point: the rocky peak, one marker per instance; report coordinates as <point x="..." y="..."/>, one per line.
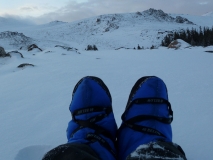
<point x="161" y="16"/>
<point x="154" y="12"/>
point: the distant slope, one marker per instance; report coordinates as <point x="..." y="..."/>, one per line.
<point x="209" y="14"/>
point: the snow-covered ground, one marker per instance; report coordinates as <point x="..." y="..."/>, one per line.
<point x="34" y="100"/>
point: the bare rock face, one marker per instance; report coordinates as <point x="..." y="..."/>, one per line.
<point x="180" y="19"/>
<point x="161" y="16"/>
<point x="3" y="53"/>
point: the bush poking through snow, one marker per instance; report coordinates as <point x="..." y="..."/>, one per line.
<point x="91" y="48"/>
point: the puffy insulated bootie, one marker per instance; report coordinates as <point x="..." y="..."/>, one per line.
<point x="93" y="120"/>
<point x="147" y="116"/>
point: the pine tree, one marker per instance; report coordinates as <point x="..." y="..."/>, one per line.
<point x="176" y="36"/>
<point x="139" y="47"/>
<point x="95" y="48"/>
<point x="152" y="47"/>
<point x="89" y="47"/>
<point x="162" y="43"/>
<point x="167" y="41"/>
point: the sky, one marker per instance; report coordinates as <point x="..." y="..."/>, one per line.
<point x="44" y="11"/>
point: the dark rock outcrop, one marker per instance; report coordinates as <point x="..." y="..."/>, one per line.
<point x="16" y="52"/>
<point x="161" y="16"/>
<point x="180" y="19"/>
<point x="25" y="64"/>
<point x="3" y="53"/>
<point x="32" y="47"/>
<point x="209" y="51"/>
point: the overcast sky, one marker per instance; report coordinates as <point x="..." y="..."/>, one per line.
<point x="43" y="11"/>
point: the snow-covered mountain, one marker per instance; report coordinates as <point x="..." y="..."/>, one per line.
<point x="14" y="39"/>
<point x="209" y="14"/>
<point x="113" y="31"/>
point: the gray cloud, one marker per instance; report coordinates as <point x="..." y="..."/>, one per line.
<point x="33" y="8"/>
<point x="75" y="11"/>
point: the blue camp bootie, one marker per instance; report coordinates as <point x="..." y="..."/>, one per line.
<point x="93" y="120"/>
<point x="147" y="116"/>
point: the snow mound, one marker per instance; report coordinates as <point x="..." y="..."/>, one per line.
<point x="32" y="152"/>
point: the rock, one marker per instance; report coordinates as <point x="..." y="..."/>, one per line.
<point x="178" y="43"/>
<point x="98" y="20"/>
<point x="161" y="16"/>
<point x="138" y="13"/>
<point x="209" y="51"/>
<point x="25" y="64"/>
<point x="180" y="19"/>
<point x="16" y="52"/>
<point x="32" y="47"/>
<point x="3" y="53"/>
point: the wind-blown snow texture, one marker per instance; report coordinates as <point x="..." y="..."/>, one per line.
<point x="34" y="100"/>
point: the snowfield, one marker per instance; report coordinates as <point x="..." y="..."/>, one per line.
<point x="34" y="100"/>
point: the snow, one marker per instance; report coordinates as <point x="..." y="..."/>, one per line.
<point x="34" y="100"/>
<point x="209" y="14"/>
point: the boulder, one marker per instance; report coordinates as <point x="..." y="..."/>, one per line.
<point x="178" y="43"/>
<point x="25" y="64"/>
<point x="3" y="53"/>
<point x="32" y="47"/>
<point x="12" y="53"/>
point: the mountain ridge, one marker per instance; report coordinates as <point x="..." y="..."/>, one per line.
<point x="111" y="31"/>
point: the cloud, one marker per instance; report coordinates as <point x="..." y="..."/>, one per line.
<point x="203" y="3"/>
<point x="76" y="10"/>
<point x="29" y="8"/>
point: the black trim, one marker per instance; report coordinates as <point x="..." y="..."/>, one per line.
<point x="150" y="101"/>
<point x="94" y="137"/>
<point x="90" y="110"/>
<point x="144" y="129"/>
